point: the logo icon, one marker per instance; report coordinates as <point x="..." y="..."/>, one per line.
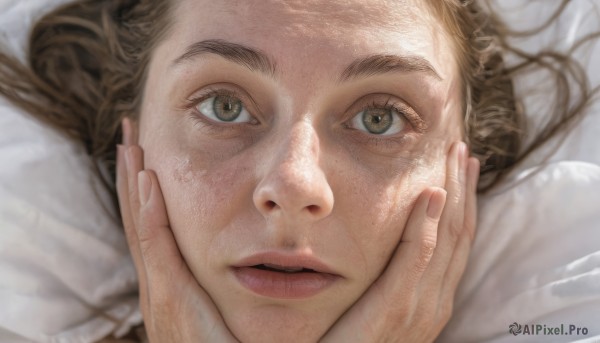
<point x="515" y="328"/>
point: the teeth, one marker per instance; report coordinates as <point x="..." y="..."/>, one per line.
<point x="282" y="268"/>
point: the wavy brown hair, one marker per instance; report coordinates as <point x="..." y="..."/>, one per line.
<point x="494" y="118"/>
<point x="87" y="63"/>
<point x="86" y="69"/>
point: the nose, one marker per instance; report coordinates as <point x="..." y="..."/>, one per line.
<point x="293" y="184"/>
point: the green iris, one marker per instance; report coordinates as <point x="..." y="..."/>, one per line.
<point x="227" y="108"/>
<point x="377" y="120"/>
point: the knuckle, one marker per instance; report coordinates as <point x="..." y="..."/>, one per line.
<point x="455" y="197"/>
<point x="405" y="310"/>
<point x="426" y="249"/>
<point x="455" y="181"/>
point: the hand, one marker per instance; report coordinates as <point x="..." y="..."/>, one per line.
<point x="174" y="306"/>
<point x="412" y="300"/>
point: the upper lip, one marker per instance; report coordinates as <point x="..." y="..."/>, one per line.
<point x="285" y="261"/>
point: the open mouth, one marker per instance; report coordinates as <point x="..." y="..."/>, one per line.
<point x="281" y="275"/>
<point x="282" y="269"/>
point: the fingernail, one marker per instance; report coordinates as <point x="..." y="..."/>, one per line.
<point x="436" y="204"/>
<point x="126" y="131"/>
<point x="144" y="187"/>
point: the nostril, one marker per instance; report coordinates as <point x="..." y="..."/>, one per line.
<point x="313" y="209"/>
<point x="270" y="205"/>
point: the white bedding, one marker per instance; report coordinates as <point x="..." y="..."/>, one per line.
<point x="536" y="259"/>
<point x="61" y="255"/>
<point x="63" y="259"/>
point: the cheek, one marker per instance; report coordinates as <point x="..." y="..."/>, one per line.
<point x="201" y="199"/>
<point x="196" y="195"/>
<point x="377" y="209"/>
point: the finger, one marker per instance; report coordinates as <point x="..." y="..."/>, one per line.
<point x="460" y="257"/>
<point x="124" y="205"/>
<point x="420" y="236"/>
<point x="473" y="169"/>
<point x="452" y="221"/>
<point x="157" y="244"/>
<point x="128" y="214"/>
<point x="396" y="288"/>
<point x="134" y="160"/>
<point x="168" y="276"/>
<point x="163" y="261"/>
<point x="458" y="261"/>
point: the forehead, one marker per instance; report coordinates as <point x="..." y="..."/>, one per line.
<point x="305" y="28"/>
<point x="306" y="16"/>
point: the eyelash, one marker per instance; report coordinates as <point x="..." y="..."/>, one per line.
<point x="213" y="126"/>
<point x="412" y="119"/>
<point x="388" y="105"/>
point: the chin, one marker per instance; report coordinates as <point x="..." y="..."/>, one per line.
<point x="279" y="323"/>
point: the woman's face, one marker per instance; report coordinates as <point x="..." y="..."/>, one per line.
<point x="296" y="134"/>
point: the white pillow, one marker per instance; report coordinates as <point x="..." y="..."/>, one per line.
<point x="579" y="18"/>
<point x="64" y="263"/>
<point x="535" y="259"/>
<point x="63" y="257"/>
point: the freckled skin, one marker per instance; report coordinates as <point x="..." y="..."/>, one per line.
<point x="183" y="170"/>
<point x="215" y="188"/>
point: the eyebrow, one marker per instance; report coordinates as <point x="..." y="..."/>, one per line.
<point x="381" y="64"/>
<point x="252" y="59"/>
<point x="257" y="60"/>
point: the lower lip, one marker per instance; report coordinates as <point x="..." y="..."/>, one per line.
<point x="283" y="285"/>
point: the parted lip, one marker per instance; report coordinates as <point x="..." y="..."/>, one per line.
<point x="285" y="260"/>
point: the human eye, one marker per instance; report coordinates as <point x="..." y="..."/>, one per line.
<point x="380" y="119"/>
<point x="224" y="108"/>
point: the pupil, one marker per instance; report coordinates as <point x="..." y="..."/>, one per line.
<point x="377" y="120"/>
<point x="227" y="108"/>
